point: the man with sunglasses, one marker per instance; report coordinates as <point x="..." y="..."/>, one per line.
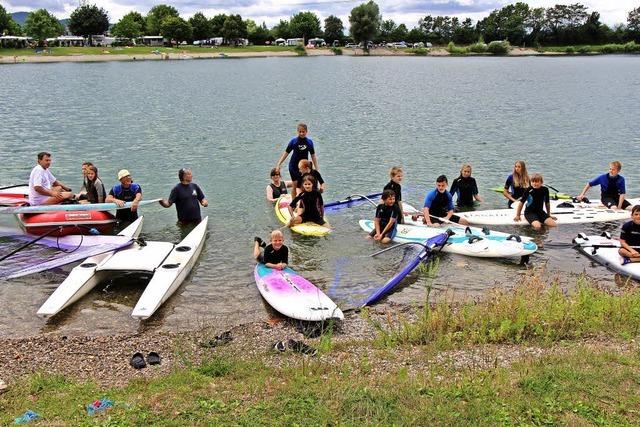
<point x="188" y="197"/>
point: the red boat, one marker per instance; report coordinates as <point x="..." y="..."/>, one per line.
<point x="68" y="222"/>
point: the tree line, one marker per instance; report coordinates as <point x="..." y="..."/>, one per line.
<point x="517" y="23"/>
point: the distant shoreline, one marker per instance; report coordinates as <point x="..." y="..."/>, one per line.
<point x="190" y="54"/>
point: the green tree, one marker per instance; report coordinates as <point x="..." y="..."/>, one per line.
<point x="400" y="33"/>
<point x="7" y="25"/>
<point x="365" y="22"/>
<point x="508" y="23"/>
<point x="202" y="28"/>
<point x="217" y="22"/>
<point x="234" y="28"/>
<point x="333" y="29"/>
<point x="176" y="28"/>
<point x="305" y="25"/>
<point x="258" y="34"/>
<point x="633" y="24"/>
<point x="387" y="29"/>
<point x="156" y="15"/>
<point x="415" y="35"/>
<point x="281" y="30"/>
<point x="465" y="33"/>
<point x="41" y="24"/>
<point x="88" y="20"/>
<point x="131" y="26"/>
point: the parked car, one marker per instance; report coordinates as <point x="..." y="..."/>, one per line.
<point x="352" y="45"/>
<point x="400" y="45"/>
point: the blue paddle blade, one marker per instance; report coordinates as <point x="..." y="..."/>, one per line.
<point x="424" y="255"/>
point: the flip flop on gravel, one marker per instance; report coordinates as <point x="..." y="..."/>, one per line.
<point x="280" y="346"/>
<point x="153" y="358"/>
<point x="3" y="386"/>
<point x="302" y="348"/>
<point x="137" y="361"/>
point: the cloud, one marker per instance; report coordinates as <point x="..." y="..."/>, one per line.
<point x="406" y="12"/>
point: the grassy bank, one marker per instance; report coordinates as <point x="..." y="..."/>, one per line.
<point x="139" y="50"/>
<point x="534" y="356"/>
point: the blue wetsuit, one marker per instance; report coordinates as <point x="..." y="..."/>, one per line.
<point x="611" y="188"/>
<point x="439" y="205"/>
<point x="300" y="148"/>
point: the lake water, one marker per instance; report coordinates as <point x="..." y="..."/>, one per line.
<point x="230" y="119"/>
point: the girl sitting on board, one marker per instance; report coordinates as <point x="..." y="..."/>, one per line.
<point x="516" y="183"/>
<point x="630" y="238"/>
<point x="536" y="198"/>
<point x="309" y="206"/>
<point x="278" y="187"/>
<point x="396" y="176"/>
<point x="466" y="188"/>
<point x="95" y="188"/>
<point x="386" y="222"/>
<point x="276" y="254"/>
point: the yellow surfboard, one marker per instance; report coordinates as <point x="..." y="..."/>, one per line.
<point x="306" y="228"/>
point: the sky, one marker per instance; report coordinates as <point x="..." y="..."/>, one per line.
<point x="406" y="12"/>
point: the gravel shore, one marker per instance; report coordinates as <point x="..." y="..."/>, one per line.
<point x="105" y="359"/>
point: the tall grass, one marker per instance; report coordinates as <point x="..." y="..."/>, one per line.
<point x="535" y="311"/>
<point x="456" y="50"/>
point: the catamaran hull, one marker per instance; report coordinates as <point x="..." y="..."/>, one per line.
<point x="83" y="278"/>
<point x="172" y="272"/>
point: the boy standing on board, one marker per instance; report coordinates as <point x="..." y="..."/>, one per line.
<point x="612" y="187"/>
<point x="301" y="146"/>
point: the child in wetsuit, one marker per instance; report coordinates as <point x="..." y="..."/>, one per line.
<point x="630" y="238"/>
<point x="309" y="204"/>
<point x="516" y="183"/>
<point x="466" y="188"/>
<point x="276" y="254"/>
<point x="438" y="205"/>
<point x="302" y="147"/>
<point x="612" y="187"/>
<point x="304" y="166"/>
<point x="536" y="198"/>
<point x="387" y="214"/>
<point x="396" y="176"/>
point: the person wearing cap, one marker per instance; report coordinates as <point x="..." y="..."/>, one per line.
<point x="126" y="191"/>
<point x="188" y="197"/>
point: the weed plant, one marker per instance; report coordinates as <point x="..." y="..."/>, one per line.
<point x="336" y="51"/>
<point x="420" y="51"/>
<point x="535" y="311"/>
<point x="479" y="47"/>
<point x="498" y="47"/>
<point x="456" y="50"/>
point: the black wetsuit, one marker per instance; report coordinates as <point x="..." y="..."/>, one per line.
<point x="278" y="191"/>
<point x="385" y="213"/>
<point x="313" y="206"/>
<point x="631" y="233"/>
<point x="272" y="256"/>
<point x="397" y="188"/>
<point x="466" y="189"/>
<point x="536" y="199"/>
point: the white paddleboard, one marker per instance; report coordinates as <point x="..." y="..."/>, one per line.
<point x="74" y="207"/>
<point x="468" y="241"/>
<point x="604" y="251"/>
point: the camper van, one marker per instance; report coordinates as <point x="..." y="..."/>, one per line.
<point x="313" y="43"/>
<point x="295" y="42"/>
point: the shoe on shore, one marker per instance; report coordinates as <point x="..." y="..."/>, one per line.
<point x="137" y="361"/>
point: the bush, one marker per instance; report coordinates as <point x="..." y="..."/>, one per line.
<point x="455" y="50"/>
<point x="612" y="48"/>
<point x="570" y="50"/>
<point x="421" y="51"/>
<point x="497" y="47"/>
<point x="300" y="50"/>
<point x="632" y="47"/>
<point x="336" y="51"/>
<point x="584" y="49"/>
<point x="478" y="47"/>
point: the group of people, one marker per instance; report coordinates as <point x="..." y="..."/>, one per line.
<point x="307" y="186"/>
<point x="45" y="189"/>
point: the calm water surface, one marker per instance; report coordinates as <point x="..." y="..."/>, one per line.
<point x="229" y="120"/>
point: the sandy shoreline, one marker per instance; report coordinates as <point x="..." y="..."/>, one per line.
<point x="439" y="52"/>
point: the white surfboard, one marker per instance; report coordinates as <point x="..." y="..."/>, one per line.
<point x="604" y="250"/>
